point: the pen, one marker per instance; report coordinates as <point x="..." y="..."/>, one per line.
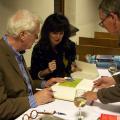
<point x="60" y="113"/>
<point x="92" y="102"/>
<point x="93" y="88"/>
<point x="38" y="89"/>
<point x="51" y="113"/>
<point x="68" y="78"/>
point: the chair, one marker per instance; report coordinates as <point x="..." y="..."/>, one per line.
<point x="105" y="35"/>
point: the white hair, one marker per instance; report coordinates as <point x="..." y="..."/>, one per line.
<point x="23" y="20"/>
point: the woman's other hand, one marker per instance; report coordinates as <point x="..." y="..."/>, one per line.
<point x="53" y="81"/>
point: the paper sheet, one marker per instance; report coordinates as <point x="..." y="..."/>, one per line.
<point x="88" y="71"/>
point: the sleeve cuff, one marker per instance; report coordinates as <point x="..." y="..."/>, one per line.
<point x="43" y="84"/>
<point x="117" y="78"/>
<point x="32" y="101"/>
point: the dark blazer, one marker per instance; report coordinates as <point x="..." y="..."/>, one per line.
<point x="43" y="54"/>
<point x="13" y="89"/>
<point x="111" y="94"/>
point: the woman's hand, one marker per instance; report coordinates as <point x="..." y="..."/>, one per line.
<point x="51" y="68"/>
<point x="53" y="81"/>
<point x="52" y="65"/>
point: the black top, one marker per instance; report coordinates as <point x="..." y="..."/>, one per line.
<point x="42" y="55"/>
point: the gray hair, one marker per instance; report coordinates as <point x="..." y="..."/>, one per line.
<point x="108" y="6"/>
<point x="22" y="20"/>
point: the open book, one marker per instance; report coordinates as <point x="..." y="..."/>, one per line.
<point x="87" y="70"/>
<point x="66" y="90"/>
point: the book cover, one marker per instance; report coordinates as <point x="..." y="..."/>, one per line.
<point x="109" y="117"/>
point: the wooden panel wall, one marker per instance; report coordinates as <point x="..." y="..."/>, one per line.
<point x="97" y="46"/>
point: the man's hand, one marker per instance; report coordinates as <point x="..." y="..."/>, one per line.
<point x="52" y="65"/>
<point x="90" y="96"/>
<point x="53" y="81"/>
<point x="44" y="96"/>
<point x="104" y="82"/>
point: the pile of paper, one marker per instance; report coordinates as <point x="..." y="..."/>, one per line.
<point x="87" y="71"/>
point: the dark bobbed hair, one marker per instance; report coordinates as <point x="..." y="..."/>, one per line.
<point x="55" y="23"/>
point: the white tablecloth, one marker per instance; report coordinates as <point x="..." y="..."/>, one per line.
<point x="90" y="112"/>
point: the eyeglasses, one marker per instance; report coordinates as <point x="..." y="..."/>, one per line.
<point x="34" y="34"/>
<point x="34" y="114"/>
<point x="102" y="22"/>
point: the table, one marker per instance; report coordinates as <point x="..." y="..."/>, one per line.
<point x="90" y="112"/>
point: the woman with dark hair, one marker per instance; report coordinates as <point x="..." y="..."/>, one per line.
<point x="54" y="54"/>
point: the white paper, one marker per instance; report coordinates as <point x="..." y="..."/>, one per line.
<point x="88" y="71"/>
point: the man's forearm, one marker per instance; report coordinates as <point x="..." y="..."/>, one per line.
<point x="109" y="95"/>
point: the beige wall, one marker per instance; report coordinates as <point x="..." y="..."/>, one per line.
<point x="84" y="15"/>
<point x="70" y="10"/>
<point x="43" y="8"/>
<point x="81" y="13"/>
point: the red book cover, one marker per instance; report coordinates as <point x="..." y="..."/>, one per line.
<point x="109" y="117"/>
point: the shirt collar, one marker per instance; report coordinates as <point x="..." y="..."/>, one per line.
<point x="17" y="54"/>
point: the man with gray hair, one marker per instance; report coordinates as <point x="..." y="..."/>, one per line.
<point x="17" y="90"/>
<point x="109" y="12"/>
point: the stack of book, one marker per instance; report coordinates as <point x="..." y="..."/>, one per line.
<point x="104" y="58"/>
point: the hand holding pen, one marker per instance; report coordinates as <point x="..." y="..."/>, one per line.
<point x="92" y="102"/>
<point x="90" y="95"/>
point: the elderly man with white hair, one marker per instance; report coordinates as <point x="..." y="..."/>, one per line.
<point x="17" y="90"/>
